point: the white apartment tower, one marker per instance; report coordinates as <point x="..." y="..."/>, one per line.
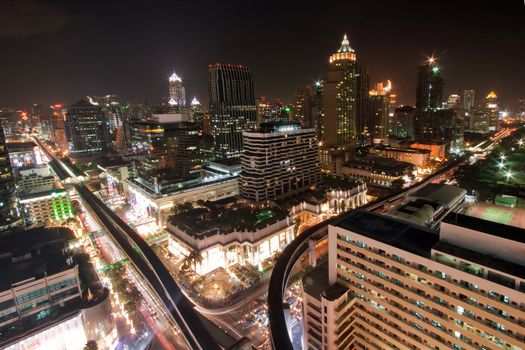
<point x="400" y="286"/>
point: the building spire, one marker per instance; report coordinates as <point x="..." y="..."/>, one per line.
<point x="345" y="45"/>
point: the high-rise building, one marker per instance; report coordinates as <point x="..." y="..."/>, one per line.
<point x="468" y="100"/>
<point x="454" y="101"/>
<point x="492" y="110"/>
<point x="278" y="160"/>
<point x="429" y="98"/>
<point x="177" y="92"/>
<point x="395" y="285"/>
<point x="403" y="124"/>
<point x="232" y="107"/>
<point x="317" y="107"/>
<point x="339" y="108"/>
<point x="169" y="144"/>
<point x="304" y="96"/>
<point x="362" y="105"/>
<point x="8" y="212"/>
<point x="379" y="113"/>
<point x="86" y="129"/>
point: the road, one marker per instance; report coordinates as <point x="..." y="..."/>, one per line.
<point x="145" y="261"/>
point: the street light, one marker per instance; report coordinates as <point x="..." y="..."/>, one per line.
<point x="520" y="142"/>
<point x="502" y="157"/>
<point x="501" y="165"/>
<point x="509" y="175"/>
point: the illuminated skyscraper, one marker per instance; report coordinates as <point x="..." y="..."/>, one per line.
<point x="403" y="124"/>
<point x="303" y="106"/>
<point x="232" y="107"/>
<point x="339" y="107"/>
<point x="492" y="110"/>
<point x="379" y="120"/>
<point x="468" y="100"/>
<point x="86" y="129"/>
<point x="8" y="214"/>
<point x="429" y="98"/>
<point x="177" y="92"/>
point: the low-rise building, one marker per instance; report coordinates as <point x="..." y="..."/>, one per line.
<point x="44" y="298"/>
<point x="216" y="181"/>
<point x="416" y="156"/>
<point x="222" y="237"/>
<point x="34" y="179"/>
<point x="437" y="149"/>
<point x="45" y="207"/>
<point x="24" y="154"/>
<point x="378" y="171"/>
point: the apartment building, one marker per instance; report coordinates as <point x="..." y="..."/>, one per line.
<point x="411" y="288"/>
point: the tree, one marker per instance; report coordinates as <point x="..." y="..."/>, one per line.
<point x="193" y="258"/>
<point x="91" y="345"/>
<point x="398" y="184"/>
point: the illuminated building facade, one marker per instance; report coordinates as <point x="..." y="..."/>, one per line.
<point x="339" y="108"/>
<point x="418" y="157"/>
<point x="86" y="129"/>
<point x="492" y="110"/>
<point x="377" y="171"/>
<point x="278" y="160"/>
<point x="43" y="301"/>
<point x="8" y="213"/>
<point x="46" y="207"/>
<point x="227" y="248"/>
<point x="34" y="179"/>
<point x="403" y="123"/>
<point x="24" y="154"/>
<point x="429" y="98"/>
<point x="177" y="92"/>
<point x="169" y="145"/>
<point x="232" y="107"/>
<point x="411" y="288"/>
<point x="303" y="108"/>
<point x="379" y="125"/>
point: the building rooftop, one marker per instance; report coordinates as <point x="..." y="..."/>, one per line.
<point x="482" y="259"/>
<point x="380" y="164"/>
<point x="405" y="150"/>
<point x="33" y="253"/>
<point x="489" y="227"/>
<point x="400" y="234"/>
<point x="46" y="192"/>
<point x="112" y="162"/>
<point x="315" y="281"/>
<point x="20" y="146"/>
<point x="445" y="195"/>
<point x="419" y="212"/>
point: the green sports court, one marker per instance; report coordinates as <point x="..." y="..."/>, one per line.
<point x="501" y="216"/>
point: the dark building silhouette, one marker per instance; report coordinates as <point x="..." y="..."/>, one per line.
<point x="232" y="107"/>
<point x="429" y="98"/>
<point x="8" y="213"/>
<point x="86" y="129"/>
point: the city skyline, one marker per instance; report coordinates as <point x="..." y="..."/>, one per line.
<point x="131" y="51"/>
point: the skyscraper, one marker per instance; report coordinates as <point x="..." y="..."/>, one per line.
<point x="339" y="107"/>
<point x="429" y="98"/>
<point x="86" y="129"/>
<point x="279" y="159"/>
<point x="177" y="92"/>
<point x="468" y="100"/>
<point x="379" y="113"/>
<point x="232" y="107"/>
<point x="403" y="124"/>
<point x="303" y="106"/>
<point x="8" y="212"/>
<point x="362" y="104"/>
<point x="492" y="110"/>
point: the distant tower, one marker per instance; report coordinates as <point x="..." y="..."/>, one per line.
<point x="379" y="101"/>
<point x="492" y="110"/>
<point x="339" y="125"/>
<point x="232" y="107"/>
<point x="177" y="91"/>
<point x="429" y="98"/>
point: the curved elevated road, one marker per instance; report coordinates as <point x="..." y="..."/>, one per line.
<point x="291" y="254"/>
<point x="148" y="264"/>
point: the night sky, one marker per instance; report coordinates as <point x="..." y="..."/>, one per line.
<point x="58" y="51"/>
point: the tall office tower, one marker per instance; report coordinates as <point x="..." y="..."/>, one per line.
<point x="394" y="285"/>
<point x="492" y="110"/>
<point x="169" y="144"/>
<point x="403" y="123"/>
<point x="279" y="159"/>
<point x="232" y="107"/>
<point x="362" y="105"/>
<point x="86" y="129"/>
<point x="304" y="96"/>
<point x="196" y="112"/>
<point x="177" y="92"/>
<point x="468" y="100"/>
<point x="339" y="104"/>
<point x="317" y="108"/>
<point x="8" y="213"/>
<point x="429" y="98"/>
<point x="379" y="113"/>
